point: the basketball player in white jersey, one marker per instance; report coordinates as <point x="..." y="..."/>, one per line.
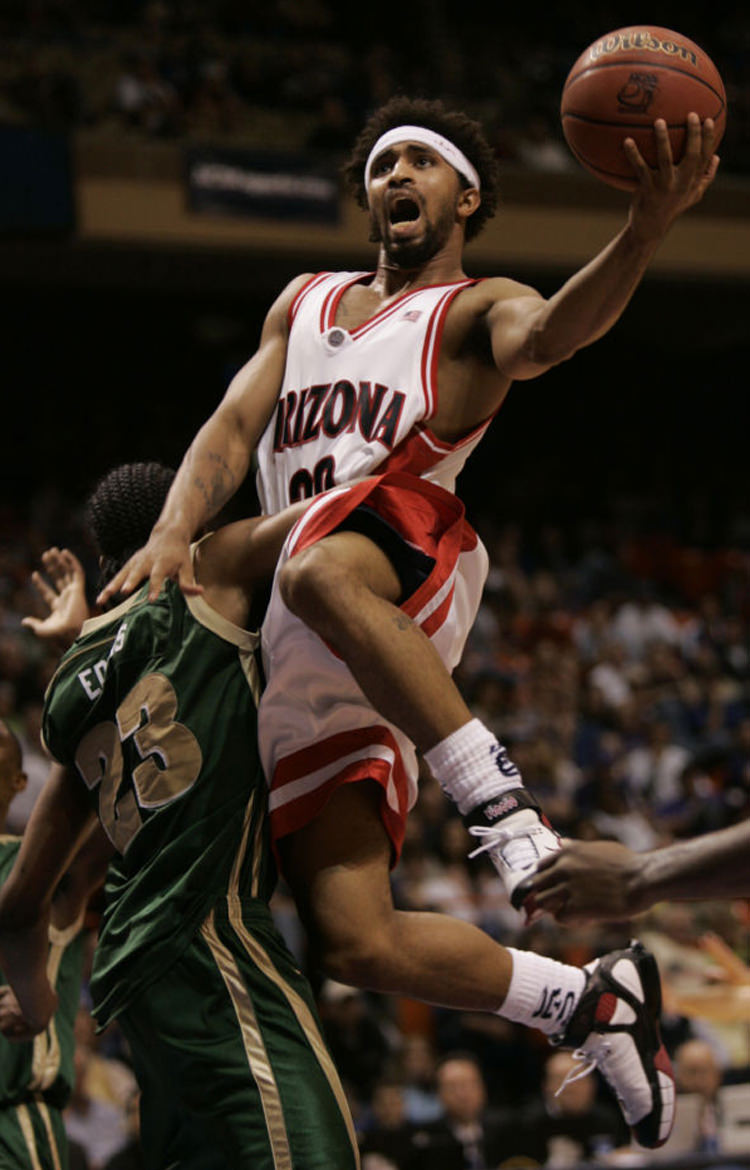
<point x="402" y="369"/>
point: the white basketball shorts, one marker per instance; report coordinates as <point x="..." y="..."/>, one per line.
<point x="316" y="728"/>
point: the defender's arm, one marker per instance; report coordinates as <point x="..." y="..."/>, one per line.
<point x="60" y="820"/>
<point x="603" y="880"/>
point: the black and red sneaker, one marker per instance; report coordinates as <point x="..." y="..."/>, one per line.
<point x="615" y="1028"/>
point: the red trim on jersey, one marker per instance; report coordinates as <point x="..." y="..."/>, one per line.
<point x="421" y="449"/>
<point x="303" y="809"/>
<point x="306" y="288"/>
<point x="431" y="351"/>
<point x="415" y="454"/>
<point x="333" y="299"/>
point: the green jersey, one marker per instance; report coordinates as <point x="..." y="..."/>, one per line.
<point x="43" y="1068"/>
<point x="155" y="707"/>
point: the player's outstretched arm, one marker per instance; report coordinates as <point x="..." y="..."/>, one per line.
<point x="602" y="880"/>
<point x="60" y="820"/>
<point x="215" y="465"/>
<point x="529" y="334"/>
<point x="62" y="589"/>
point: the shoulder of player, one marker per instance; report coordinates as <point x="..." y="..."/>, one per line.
<point x="479" y="298"/>
<point x="474" y="305"/>
<point x="278" y="314"/>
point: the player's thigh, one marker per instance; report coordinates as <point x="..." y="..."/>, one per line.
<point x="231" y="1062"/>
<point x="338" y="865"/>
<point x="32" y="1137"/>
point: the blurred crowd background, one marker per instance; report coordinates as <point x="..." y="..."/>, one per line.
<point x="612" y="649"/>
<point x="303" y="73"/>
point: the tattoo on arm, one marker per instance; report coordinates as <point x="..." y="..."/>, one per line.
<point x="221" y="485"/>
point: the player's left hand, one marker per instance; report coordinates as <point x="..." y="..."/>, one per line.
<point x="13" y="1024"/>
<point x="586" y="881"/>
<point x="670" y="188"/>
<point x="62" y="590"/>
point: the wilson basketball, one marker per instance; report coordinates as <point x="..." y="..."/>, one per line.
<point x="626" y="80"/>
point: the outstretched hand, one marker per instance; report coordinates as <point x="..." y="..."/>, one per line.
<point x="670" y="188"/>
<point x="165" y="556"/>
<point x="587" y="881"/>
<point x="63" y="592"/>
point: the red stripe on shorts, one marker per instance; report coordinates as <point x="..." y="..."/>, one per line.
<point x="302" y="809"/>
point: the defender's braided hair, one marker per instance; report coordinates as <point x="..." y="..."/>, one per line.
<point x="122" y="510"/>
<point x="462" y="130"/>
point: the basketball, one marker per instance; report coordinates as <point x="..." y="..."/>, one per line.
<point x="626" y="80"/>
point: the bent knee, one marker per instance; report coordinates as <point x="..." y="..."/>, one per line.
<point x="307" y="585"/>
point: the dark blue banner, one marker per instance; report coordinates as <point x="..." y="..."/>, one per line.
<point x="260" y="183"/>
<point x="36" y="192"/>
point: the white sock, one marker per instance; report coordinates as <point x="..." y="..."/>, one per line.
<point x="471" y="765"/>
<point x="543" y="993"/>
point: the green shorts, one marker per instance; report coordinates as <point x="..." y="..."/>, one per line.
<point x="229" y="1055"/>
<point x="32" y="1137"/>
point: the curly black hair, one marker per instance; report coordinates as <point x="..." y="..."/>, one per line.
<point x="123" y="508"/>
<point x="463" y="131"/>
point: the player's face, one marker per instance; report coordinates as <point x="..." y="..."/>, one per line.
<point x="413" y="197"/>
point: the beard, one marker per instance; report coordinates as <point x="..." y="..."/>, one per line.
<point x="414" y="253"/>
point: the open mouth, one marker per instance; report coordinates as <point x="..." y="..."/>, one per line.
<point x="404" y="209"/>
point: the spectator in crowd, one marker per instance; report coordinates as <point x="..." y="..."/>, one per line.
<point x="469" y="1135"/>
<point x="566" y="1124"/>
<point x="389" y="1132"/>
<point x="697" y="1070"/>
<point x="107" y="1078"/>
<point x="144" y="99"/>
<point x="130" y="1157"/>
<point x="98" y="1126"/>
<point x="418" y="1063"/>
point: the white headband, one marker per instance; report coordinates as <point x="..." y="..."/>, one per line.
<point x="442" y="146"/>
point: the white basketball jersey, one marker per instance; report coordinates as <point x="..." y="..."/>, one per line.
<point x="357" y="403"/>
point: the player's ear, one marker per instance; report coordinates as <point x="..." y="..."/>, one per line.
<point x="468" y="201"/>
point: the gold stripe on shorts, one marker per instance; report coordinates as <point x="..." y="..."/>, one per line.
<point x="27" y="1129"/>
<point x="47" y="1122"/>
<point x="239" y="857"/>
<point x="46" y="1055"/>
<point x="305" y="1017"/>
<point x="255" y="1049"/>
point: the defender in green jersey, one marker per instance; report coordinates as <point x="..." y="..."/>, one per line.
<point x="151" y="718"/>
<point x="36" y="1076"/>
